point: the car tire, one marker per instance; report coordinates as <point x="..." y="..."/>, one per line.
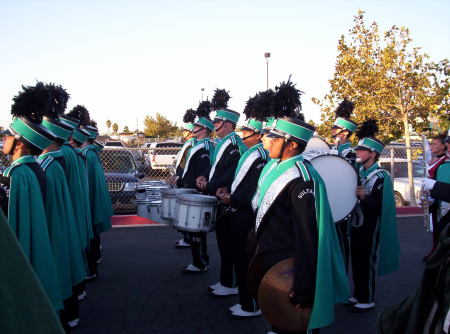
<point x="399" y="200"/>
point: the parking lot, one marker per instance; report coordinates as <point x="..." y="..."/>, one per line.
<point x="141" y="290"/>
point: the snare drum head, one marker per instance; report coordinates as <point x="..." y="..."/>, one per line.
<point x="317" y="144"/>
<point x="340" y="179"/>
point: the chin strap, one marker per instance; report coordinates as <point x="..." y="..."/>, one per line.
<point x="220" y="127"/>
<point x="253" y="134"/>
<point x="337" y="134"/>
<point x="283" y="148"/>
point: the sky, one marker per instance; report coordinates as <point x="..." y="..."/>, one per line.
<point x="124" y="60"/>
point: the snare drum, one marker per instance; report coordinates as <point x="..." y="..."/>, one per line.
<point x="169" y="201"/>
<point x="340" y="179"/>
<point x="195" y="213"/>
<point x="149" y="209"/>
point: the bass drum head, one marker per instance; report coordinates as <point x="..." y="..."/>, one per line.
<point x="317" y="144"/>
<point x="341" y="180"/>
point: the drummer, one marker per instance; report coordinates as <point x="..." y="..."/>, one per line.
<point x="376" y="236"/>
<point x="180" y="162"/>
<point x="287" y="223"/>
<point x="242" y="219"/>
<point x="197" y="161"/>
<point x="341" y="131"/>
<point x="218" y="180"/>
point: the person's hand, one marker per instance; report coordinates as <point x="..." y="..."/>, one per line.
<point x="173" y="180"/>
<point x="225" y="198"/>
<point x="360" y="192"/>
<point x="221" y="191"/>
<point x="202" y="183"/>
<point x="428" y="184"/>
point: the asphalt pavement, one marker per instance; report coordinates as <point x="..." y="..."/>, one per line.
<point x="141" y="290"/>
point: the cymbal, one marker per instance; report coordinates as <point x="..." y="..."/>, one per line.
<point x="273" y="298"/>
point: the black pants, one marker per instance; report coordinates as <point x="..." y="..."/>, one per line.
<point x="342" y="231"/>
<point x="241" y="223"/>
<point x="279" y="331"/>
<point x="70" y="311"/>
<point x="92" y="255"/>
<point x="224" y="243"/>
<point x="365" y="240"/>
<point x="186" y="237"/>
<point x="199" y="249"/>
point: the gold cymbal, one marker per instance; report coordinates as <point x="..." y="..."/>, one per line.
<point x="273" y="298"/>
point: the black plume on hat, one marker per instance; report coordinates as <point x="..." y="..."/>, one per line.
<point x="220" y="99"/>
<point x="59" y="98"/>
<point x="93" y="123"/>
<point x="265" y="105"/>
<point x="287" y="101"/>
<point x="33" y="102"/>
<point x="189" y="116"/>
<point x="249" y="109"/>
<point x="368" y="129"/>
<point x="204" y="109"/>
<point x="345" y="109"/>
<point x="80" y="113"/>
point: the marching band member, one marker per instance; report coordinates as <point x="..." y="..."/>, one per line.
<point x="59" y="210"/>
<point x="197" y="161"/>
<point x="99" y="198"/>
<point x="77" y="182"/>
<point x="218" y="180"/>
<point x="293" y="217"/>
<point x="25" y="138"/>
<point x="242" y="218"/>
<point x="376" y="236"/>
<point x="180" y="161"/>
<point x="341" y="131"/>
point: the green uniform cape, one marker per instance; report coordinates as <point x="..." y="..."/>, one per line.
<point x="99" y="198"/>
<point x="26" y="216"/>
<point x="76" y="179"/>
<point x="24" y="306"/>
<point x="331" y="279"/>
<point x="62" y="226"/>
<point x="389" y="248"/>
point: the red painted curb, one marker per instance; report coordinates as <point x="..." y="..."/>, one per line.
<point x="409" y="210"/>
<point x="131" y="220"/>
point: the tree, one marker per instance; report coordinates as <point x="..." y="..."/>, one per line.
<point x="159" y="126"/>
<point x="388" y="80"/>
<point x="108" y="125"/>
<point x="126" y="129"/>
<point x="115" y="128"/>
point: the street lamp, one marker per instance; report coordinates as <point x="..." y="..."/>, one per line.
<point x="203" y="89"/>
<point x="267" y="56"/>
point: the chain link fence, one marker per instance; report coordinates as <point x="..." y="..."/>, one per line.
<point x="127" y="168"/>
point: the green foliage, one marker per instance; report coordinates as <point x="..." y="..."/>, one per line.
<point x="160" y="126"/>
<point x="108" y="124"/>
<point x="126" y="129"/>
<point x="115" y="128"/>
<point x="388" y="80"/>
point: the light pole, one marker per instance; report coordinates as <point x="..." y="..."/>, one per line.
<point x="267" y="56"/>
<point x="203" y="89"/>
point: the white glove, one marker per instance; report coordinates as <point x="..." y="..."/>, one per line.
<point x="428" y="184"/>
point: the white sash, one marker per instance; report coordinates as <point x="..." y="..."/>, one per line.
<point x="218" y="157"/>
<point x="192" y="152"/>
<point x="244" y="169"/>
<point x="273" y="192"/>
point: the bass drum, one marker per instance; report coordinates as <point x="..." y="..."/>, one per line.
<point x="341" y="180"/>
<point x="317" y="143"/>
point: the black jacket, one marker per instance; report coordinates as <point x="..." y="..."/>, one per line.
<point x="198" y="163"/>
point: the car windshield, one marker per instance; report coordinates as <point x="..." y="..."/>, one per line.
<point x="114" y="143"/>
<point x="401" y="169"/>
<point x="117" y="161"/>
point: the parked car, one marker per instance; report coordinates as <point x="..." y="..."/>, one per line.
<point x="122" y="177"/>
<point x="114" y="143"/>
<point x="162" y="155"/>
<point x="399" y="173"/>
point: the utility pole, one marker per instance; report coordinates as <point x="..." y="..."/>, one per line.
<point x="267" y="56"/>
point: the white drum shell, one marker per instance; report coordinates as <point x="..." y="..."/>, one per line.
<point x="340" y="180"/>
<point x="149" y="210"/>
<point x="169" y="201"/>
<point x="195" y="213"/>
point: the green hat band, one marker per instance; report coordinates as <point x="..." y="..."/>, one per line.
<point x="227" y="115"/>
<point x="254" y="124"/>
<point x="189" y="126"/>
<point x="269" y="122"/>
<point x="371" y="144"/>
<point x="343" y="123"/>
<point x="68" y="122"/>
<point x="78" y="136"/>
<point x="92" y="133"/>
<point x="30" y="134"/>
<point x="206" y="123"/>
<point x="292" y="129"/>
<point x="57" y="130"/>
